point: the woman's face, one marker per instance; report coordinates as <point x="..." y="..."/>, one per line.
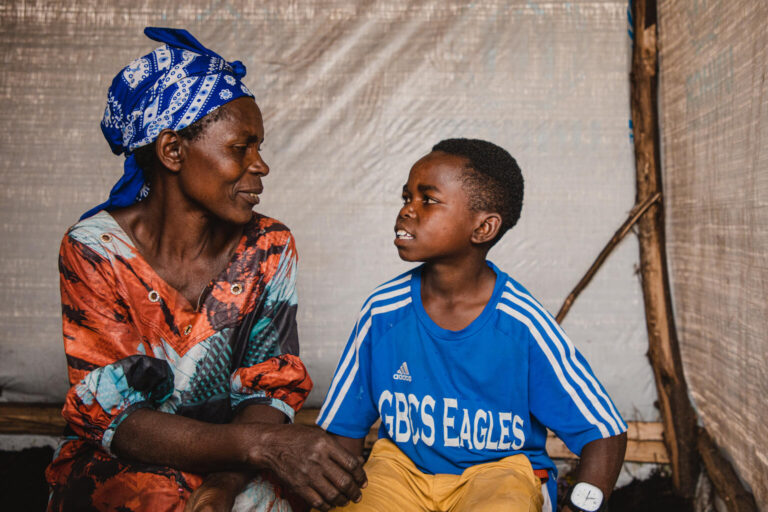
<point x="222" y="169"/>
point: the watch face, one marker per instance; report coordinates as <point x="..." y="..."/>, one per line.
<point x="586" y="496"/>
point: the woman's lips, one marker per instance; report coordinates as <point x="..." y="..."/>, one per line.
<point x="251" y="196"/>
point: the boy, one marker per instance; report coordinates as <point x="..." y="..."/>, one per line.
<point x="463" y="366"/>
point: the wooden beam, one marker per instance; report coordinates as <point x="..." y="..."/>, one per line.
<point x="633" y="217"/>
<point x="35" y="419"/>
<point x="677" y="413"/>
<point x="724" y="478"/>
<point x="644" y="444"/>
<point x="645" y="438"/>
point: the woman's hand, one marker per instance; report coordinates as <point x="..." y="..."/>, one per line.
<point x="311" y="463"/>
<point x="217" y="494"/>
<point x="306" y="459"/>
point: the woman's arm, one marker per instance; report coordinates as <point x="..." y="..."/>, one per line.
<point x="306" y="459"/>
<point x="600" y="464"/>
<point x="219" y="490"/>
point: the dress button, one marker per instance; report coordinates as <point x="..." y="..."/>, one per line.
<point x="187" y="330"/>
<point x="154" y="296"/>
<point x="237" y="289"/>
<point x="106" y="237"/>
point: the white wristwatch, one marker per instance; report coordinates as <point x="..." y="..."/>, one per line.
<point x="585" y="497"/>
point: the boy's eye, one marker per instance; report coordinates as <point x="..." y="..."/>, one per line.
<point x="406" y="199"/>
<point x="429" y="200"/>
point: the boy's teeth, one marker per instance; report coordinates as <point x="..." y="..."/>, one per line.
<point x="401" y="233"/>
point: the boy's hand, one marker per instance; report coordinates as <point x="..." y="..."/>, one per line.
<point x="311" y="463"/>
<point x="217" y="494"/>
<point x="600" y="464"/>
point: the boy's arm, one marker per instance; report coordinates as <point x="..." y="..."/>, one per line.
<point x="600" y="464"/>
<point x="352" y="445"/>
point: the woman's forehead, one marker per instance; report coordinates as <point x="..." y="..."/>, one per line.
<point x="242" y="116"/>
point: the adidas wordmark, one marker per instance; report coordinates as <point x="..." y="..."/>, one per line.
<point x="402" y="373"/>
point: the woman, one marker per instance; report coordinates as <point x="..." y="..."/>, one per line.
<point x="179" y="312"/>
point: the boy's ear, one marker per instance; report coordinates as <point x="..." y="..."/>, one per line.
<point x="169" y="149"/>
<point x="487" y="229"/>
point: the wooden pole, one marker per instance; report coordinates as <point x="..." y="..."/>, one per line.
<point x="634" y="216"/>
<point x="723" y="476"/>
<point x="678" y="416"/>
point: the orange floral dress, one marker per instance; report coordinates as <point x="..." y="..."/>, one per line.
<point x="132" y="341"/>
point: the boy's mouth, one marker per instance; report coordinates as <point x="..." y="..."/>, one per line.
<point x="402" y="234"/>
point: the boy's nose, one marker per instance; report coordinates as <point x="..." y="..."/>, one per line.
<point x="406" y="211"/>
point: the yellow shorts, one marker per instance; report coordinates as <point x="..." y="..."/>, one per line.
<point x="394" y="483"/>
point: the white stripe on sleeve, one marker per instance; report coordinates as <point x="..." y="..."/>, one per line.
<point x="555" y="366"/>
<point x="346" y="357"/>
<point x="359" y="338"/>
<point x="613" y="416"/>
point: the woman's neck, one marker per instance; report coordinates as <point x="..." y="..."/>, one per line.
<point x="169" y="230"/>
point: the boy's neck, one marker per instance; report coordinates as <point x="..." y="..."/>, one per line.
<point x="447" y="279"/>
<point x="455" y="293"/>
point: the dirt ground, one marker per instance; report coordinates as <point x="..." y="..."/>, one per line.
<point x="23" y="487"/>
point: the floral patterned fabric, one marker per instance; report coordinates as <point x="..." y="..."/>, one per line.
<point x="133" y="341"/>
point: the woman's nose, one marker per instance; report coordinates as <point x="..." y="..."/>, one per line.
<point x="259" y="166"/>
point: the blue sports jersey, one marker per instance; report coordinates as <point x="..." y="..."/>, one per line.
<point x="453" y="399"/>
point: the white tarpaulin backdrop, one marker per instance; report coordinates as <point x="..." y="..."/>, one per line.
<point x="353" y="93"/>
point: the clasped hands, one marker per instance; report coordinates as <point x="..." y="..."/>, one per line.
<point x="306" y="460"/>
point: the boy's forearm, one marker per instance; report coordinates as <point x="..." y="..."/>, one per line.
<point x="352" y="445"/>
<point x="601" y="462"/>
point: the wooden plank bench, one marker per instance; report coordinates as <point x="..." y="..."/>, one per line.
<point x="645" y="441"/>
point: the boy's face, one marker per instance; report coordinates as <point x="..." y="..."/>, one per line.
<point x="435" y="222"/>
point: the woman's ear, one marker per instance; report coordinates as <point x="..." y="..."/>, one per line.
<point x="487" y="229"/>
<point x="168" y="148"/>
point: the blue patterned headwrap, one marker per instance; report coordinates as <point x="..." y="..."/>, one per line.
<point x="172" y="87"/>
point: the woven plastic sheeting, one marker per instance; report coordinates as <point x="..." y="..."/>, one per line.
<point x="353" y="93"/>
<point x="714" y="104"/>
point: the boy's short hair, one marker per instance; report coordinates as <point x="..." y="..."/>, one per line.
<point x="493" y="181"/>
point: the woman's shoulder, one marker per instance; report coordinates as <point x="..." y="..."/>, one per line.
<point x="93" y="226"/>
<point x="267" y="231"/>
<point x="265" y="224"/>
<point x="101" y="234"/>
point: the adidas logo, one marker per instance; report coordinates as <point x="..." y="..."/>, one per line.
<point x="402" y="373"/>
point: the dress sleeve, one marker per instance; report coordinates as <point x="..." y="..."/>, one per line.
<point x="349" y="408"/>
<point x="564" y="393"/>
<point x="270" y="371"/>
<point x="109" y="374"/>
